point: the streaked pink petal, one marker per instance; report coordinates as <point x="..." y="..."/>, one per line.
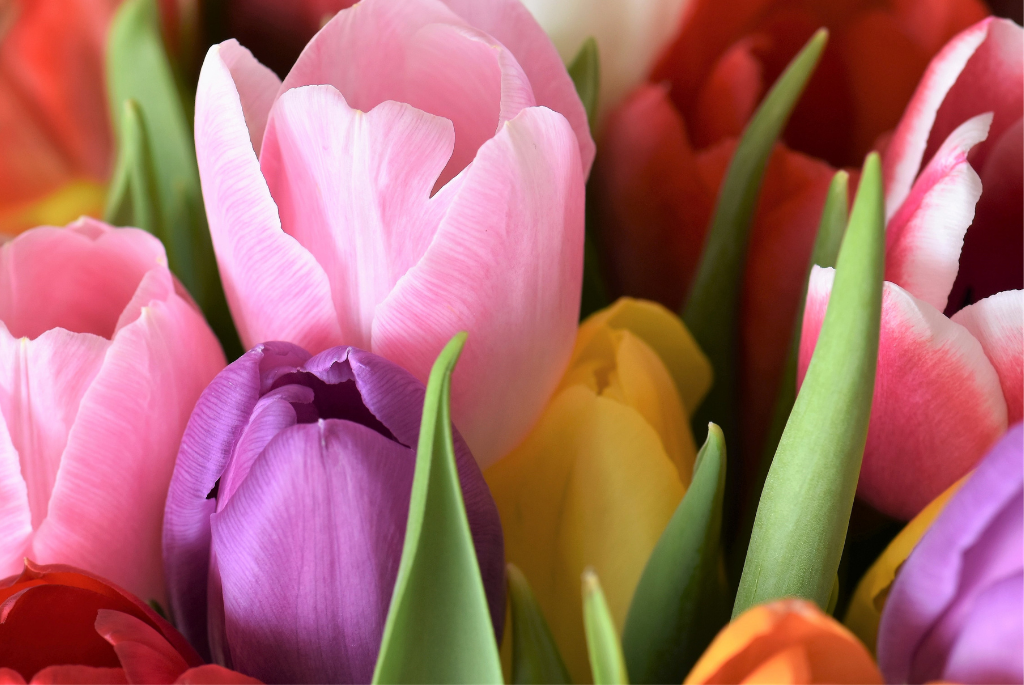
<point x="15" y="514"/>
<point x="512" y="24"/>
<point x="423" y="54"/>
<point x="145" y="655"/>
<point x="506" y="266"/>
<point x="124" y="441"/>
<point x="79" y="278"/>
<point x="257" y="88"/>
<point x="937" y="405"/>
<point x="274" y="287"/>
<point x="998" y="324"/>
<point x="905" y="151"/>
<point x="353" y="189"/>
<point x="924" y="237"/>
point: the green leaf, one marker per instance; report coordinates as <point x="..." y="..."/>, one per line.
<point x="438" y="628"/>
<point x="535" y="657"/>
<point x="826" y="247"/>
<point x="804" y="513"/>
<point x="585" y="71"/>
<point x="606" y="661"/>
<point x="711" y="311"/>
<point x="680" y="602"/>
<point x="165" y="196"/>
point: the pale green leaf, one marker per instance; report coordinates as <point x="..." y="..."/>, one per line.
<point x="535" y="656"/>
<point x="607" y="664"/>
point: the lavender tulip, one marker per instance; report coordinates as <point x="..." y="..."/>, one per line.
<point x="286" y="513"/>
<point x="955" y="609"/>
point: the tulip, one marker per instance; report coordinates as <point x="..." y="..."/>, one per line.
<point x="63" y="625"/>
<point x="102" y="357"/>
<point x="956" y="609"/>
<point x="947" y="387"/>
<point x="369" y="201"/>
<point x="630" y="36"/>
<point x="785" y="641"/>
<point x="599" y="477"/>
<point x="54" y="127"/>
<point x="286" y="514"/>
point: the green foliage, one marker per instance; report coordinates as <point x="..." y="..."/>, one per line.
<point x="156" y="180"/>
<point x="804" y="512"/>
<point x="438" y="628"/>
<point x="681" y="600"/>
<point x="585" y="71"/>
<point x="535" y="657"/>
<point x="607" y="664"/>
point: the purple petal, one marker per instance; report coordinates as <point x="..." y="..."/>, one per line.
<point x="975" y="544"/>
<point x="308" y="550"/>
<point x="206" y="446"/>
<point x="989" y="646"/>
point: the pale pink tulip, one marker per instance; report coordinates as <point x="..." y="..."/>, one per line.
<point x="102" y="357"/>
<point x="419" y="172"/>
<point x="947" y="387"/>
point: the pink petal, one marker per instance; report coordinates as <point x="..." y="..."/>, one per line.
<point x="257" y="88"/>
<point x="15" y="514"/>
<point x="998" y="324"/>
<point x="124" y="441"/>
<point x="79" y="278"/>
<point x="506" y="266"/>
<point x="512" y="24"/>
<point x="354" y="190"/>
<point x="937" y="404"/>
<point x="275" y="289"/>
<point x="905" y="151"/>
<point x="143" y="652"/>
<point x="420" y="53"/>
<point x="925" y="235"/>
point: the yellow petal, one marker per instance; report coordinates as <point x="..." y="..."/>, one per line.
<point x="592" y="485"/>
<point x="868" y="600"/>
<point x="62" y="206"/>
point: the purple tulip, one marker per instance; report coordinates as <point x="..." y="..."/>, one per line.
<point x="287" y="510"/>
<point x="955" y="610"/>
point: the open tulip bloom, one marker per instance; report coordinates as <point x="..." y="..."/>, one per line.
<point x="743" y="405"/>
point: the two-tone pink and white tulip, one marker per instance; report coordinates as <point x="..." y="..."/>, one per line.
<point x="102" y="357"/>
<point x="420" y="171"/>
<point x="947" y="386"/>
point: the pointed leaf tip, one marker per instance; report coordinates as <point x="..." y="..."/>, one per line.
<point x="438" y="627"/>
<point x="607" y="664"/>
<point x="585" y="71"/>
<point x="535" y="656"/>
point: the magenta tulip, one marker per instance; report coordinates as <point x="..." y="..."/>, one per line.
<point x="947" y="387"/>
<point x="419" y="172"/>
<point x="102" y="357"/>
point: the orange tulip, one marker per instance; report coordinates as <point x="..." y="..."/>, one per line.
<point x="786" y="641"/>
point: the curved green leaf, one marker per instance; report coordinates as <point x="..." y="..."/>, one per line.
<point x="826" y="247"/>
<point x="680" y="602"/>
<point x="535" y="657"/>
<point x="438" y="628"/>
<point x="607" y="664"/>
<point x="711" y="311"/>
<point x="585" y="71"/>
<point x="138" y="69"/>
<point x="801" y="522"/>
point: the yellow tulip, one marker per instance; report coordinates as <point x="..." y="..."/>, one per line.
<point x="868" y="599"/>
<point x="598" y="478"/>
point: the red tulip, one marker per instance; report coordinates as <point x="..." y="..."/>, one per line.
<point x="63" y="625"/>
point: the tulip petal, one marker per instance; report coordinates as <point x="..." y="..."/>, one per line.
<point x="274" y="287"/>
<point x="257" y="88"/>
<point x="212" y="674"/>
<point x="79" y="675"/>
<point x="937" y="403"/>
<point x="905" y="151"/>
<point x="423" y="54"/>
<point x="132" y="414"/>
<point x="271" y="575"/>
<point x="206" y="446"/>
<point x="511" y="242"/>
<point x="15" y="514"/>
<point x="354" y="190"/>
<point x="996" y="322"/>
<point x="989" y="646"/>
<point x="145" y="655"/>
<point x="925" y="236"/>
<point x="511" y="23"/>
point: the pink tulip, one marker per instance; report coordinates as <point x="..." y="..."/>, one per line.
<point x="102" y="357"/>
<point x="419" y="172"/>
<point x="947" y="387"/>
